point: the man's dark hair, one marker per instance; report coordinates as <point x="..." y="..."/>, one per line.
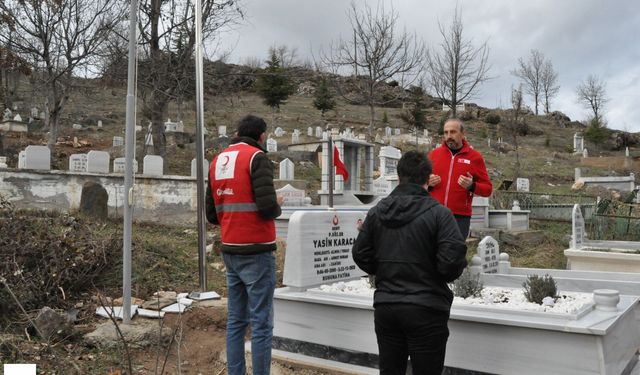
<point x="251" y="126"/>
<point x="414" y="167"/>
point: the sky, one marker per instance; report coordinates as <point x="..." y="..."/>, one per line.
<point x="580" y="37"/>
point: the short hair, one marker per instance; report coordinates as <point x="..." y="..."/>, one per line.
<point x="251" y="126"/>
<point x="456" y="120"/>
<point x="414" y="167"/>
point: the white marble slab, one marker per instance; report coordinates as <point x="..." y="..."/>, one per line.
<point x="37" y="157"/>
<point x="115" y="311"/>
<point x="98" y="161"/>
<point x="146" y="313"/>
<point x="152" y="165"/>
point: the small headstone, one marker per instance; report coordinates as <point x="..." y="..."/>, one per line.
<point x="3" y="162"/>
<point x="292" y="196"/>
<point x="6" y="115"/>
<point x="626" y="152"/>
<point x="99" y="123"/>
<point x="119" y="164"/>
<point x="205" y="166"/>
<point x="382" y="186"/>
<point x="37" y="157"/>
<point x="98" y="161"/>
<point x="362" y="137"/>
<point x="425" y="133"/>
<point x="222" y="131"/>
<point x="516" y="206"/>
<point x="93" y="201"/>
<point x="309" y="131"/>
<point x="76" y="126"/>
<point x="578" y="143"/>
<point x="387" y="131"/>
<point x="585" y="153"/>
<point x="577" y="228"/>
<point x="319" y="132"/>
<point x="295" y="138"/>
<point x="389" y="157"/>
<point x="522" y="184"/>
<point x="17" y="118"/>
<point x="335" y="132"/>
<point x="138" y="128"/>
<point x="278" y="132"/>
<point x="287" y="170"/>
<point x="272" y="145"/>
<point x="148" y="141"/>
<point x="378" y="139"/>
<point x="22" y="159"/>
<point x="34" y="112"/>
<point x="489" y="142"/>
<point x="78" y="163"/>
<point x="153" y="165"/>
<point x="42" y="114"/>
<point x="398" y="131"/>
<point x="489" y="251"/>
<point x="118" y="141"/>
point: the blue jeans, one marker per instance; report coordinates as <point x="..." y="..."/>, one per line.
<point x="251" y="280"/>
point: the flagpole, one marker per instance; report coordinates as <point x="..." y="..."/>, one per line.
<point x="331" y="170"/>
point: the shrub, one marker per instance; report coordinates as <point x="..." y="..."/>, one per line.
<point x="465" y="115"/>
<point x="492" y="118"/>
<point x="467" y="285"/>
<point x="536" y="288"/>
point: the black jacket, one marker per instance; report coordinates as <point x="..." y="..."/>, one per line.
<point x="414" y="247"/>
<point x="263" y="191"/>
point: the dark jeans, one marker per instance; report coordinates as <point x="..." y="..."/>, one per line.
<point x="406" y="330"/>
<point x="463" y="223"/>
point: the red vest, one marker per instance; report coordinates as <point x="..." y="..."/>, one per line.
<point x="230" y="180"/>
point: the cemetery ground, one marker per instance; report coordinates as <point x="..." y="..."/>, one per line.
<point x="164" y="258"/>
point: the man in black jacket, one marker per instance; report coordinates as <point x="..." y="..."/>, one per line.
<point x="413" y="246"/>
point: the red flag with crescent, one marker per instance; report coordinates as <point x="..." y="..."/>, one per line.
<point x="340" y="167"/>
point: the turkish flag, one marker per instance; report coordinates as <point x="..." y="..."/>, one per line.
<point x="340" y="168"/>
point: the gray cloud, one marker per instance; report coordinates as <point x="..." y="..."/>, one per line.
<point x="581" y="37"/>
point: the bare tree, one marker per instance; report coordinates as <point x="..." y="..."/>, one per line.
<point x="58" y="38"/>
<point x="550" y="87"/>
<point x="12" y="68"/>
<point x="517" y="105"/>
<point x="377" y="52"/>
<point x="457" y="70"/>
<point x="288" y="56"/>
<point x="591" y="93"/>
<point x="530" y="72"/>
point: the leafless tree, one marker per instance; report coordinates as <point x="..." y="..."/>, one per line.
<point x="376" y="52"/>
<point x="550" y="87"/>
<point x="517" y="106"/>
<point x="58" y="38"/>
<point x="592" y="94"/>
<point x="288" y="56"/>
<point x="530" y="72"/>
<point x="458" y="68"/>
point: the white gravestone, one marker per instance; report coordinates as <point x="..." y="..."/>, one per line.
<point x="78" y="163"/>
<point x="398" y="131"/>
<point x="99" y="123"/>
<point x="98" y="162"/>
<point x="389" y="157"/>
<point x="578" y="143"/>
<point x="577" y="228"/>
<point x="489" y="252"/>
<point x="585" y="153"/>
<point x="425" y="133"/>
<point x="272" y="145"/>
<point x="17" y="118"/>
<point x="3" y="162"/>
<point x="148" y="140"/>
<point x="170" y="126"/>
<point x="222" y="131"/>
<point x="319" y="248"/>
<point x="152" y="165"/>
<point x="278" y="132"/>
<point x="286" y="170"/>
<point x="118" y="165"/>
<point x="21" y="159"/>
<point x="37" y="157"/>
<point x="387" y="132"/>
<point x="34" y="112"/>
<point x="205" y="166"/>
<point x="522" y="184"/>
<point x="76" y="126"/>
<point x="309" y="131"/>
<point x="382" y="186"/>
<point x="626" y="152"/>
<point x="318" y="132"/>
<point x="295" y="138"/>
<point x="293" y="196"/>
<point x="118" y="141"/>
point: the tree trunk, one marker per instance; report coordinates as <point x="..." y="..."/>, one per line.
<point x="372" y="114"/>
<point x="536" y="100"/>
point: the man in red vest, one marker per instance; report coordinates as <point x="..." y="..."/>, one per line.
<point x="241" y="198"/>
<point x="459" y="172"/>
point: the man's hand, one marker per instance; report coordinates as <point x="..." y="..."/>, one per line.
<point x="465" y="181"/>
<point x="434" y="180"/>
<point x="280" y="200"/>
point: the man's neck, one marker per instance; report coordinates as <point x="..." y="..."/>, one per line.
<point x="454" y="151"/>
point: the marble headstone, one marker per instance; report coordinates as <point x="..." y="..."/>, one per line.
<point x="585" y="153"/>
<point x="98" y="162"/>
<point x="78" y="163"/>
<point x="387" y="131"/>
<point x="99" y="123"/>
<point x="18" y="118"/>
<point x="272" y="145"/>
<point x="76" y="126"/>
<point x="3" y="162"/>
<point x="577" y="228"/>
<point x="319" y="248"/>
<point x="279" y="132"/>
<point x="309" y="131"/>
<point x="522" y="184"/>
<point x="148" y="139"/>
<point x="398" y="131"/>
<point x="118" y="165"/>
<point x="319" y="132"/>
<point x="222" y="131"/>
<point x="293" y="196"/>
<point x="21" y="159"/>
<point x="152" y="165"/>
<point x="382" y="186"/>
<point x="489" y="251"/>
<point x="389" y="157"/>
<point x="118" y="141"/>
<point x="286" y="170"/>
<point x="295" y="138"/>
<point x="37" y="157"/>
<point x="205" y="166"/>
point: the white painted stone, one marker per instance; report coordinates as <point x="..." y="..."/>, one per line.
<point x="21" y="159"/>
<point x="17" y="118"/>
<point x="34" y="112"/>
<point x="170" y="126"/>
<point x="319" y="132"/>
<point x="222" y="131"/>
<point x="115" y="311"/>
<point x="295" y="138"/>
<point x="362" y="136"/>
<point x="286" y="170"/>
<point x="577" y="228"/>
<point x="488" y="251"/>
<point x="76" y="126"/>
<point x="78" y="163"/>
<point x="152" y="165"/>
<point x="205" y="168"/>
<point x="292" y="196"/>
<point x="319" y="248"/>
<point x="153" y="314"/>
<point x="118" y="141"/>
<point x="398" y="131"/>
<point x="99" y="123"/>
<point x="176" y="308"/>
<point x="387" y="131"/>
<point x="578" y="143"/>
<point x="626" y="151"/>
<point x="119" y="164"/>
<point x="37" y="157"/>
<point x="279" y="132"/>
<point x="98" y="161"/>
<point x="272" y="145"/>
<point x="585" y="153"/>
<point x="3" y="162"/>
<point x="425" y="133"/>
<point x="522" y="184"/>
<point x="309" y="131"/>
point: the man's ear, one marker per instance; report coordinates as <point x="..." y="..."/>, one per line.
<point x="263" y="137"/>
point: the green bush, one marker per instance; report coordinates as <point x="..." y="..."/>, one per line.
<point x="467" y="285"/>
<point x="492" y="118"/>
<point x="536" y="288"/>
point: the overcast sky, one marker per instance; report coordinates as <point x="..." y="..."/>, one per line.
<point x="580" y="37"/>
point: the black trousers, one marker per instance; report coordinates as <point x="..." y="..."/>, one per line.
<point x="406" y="330"/>
<point x="464" y="222"/>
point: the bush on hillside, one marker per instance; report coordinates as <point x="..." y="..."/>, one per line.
<point x="492" y="118"/>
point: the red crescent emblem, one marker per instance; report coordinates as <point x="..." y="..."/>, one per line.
<point x="335" y="220"/>
<point x="224" y="164"/>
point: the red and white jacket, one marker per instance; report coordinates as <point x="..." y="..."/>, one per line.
<point x="450" y="167"/>
<point x="235" y="205"/>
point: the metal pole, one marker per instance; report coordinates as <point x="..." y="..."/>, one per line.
<point x="202" y="228"/>
<point x="331" y="170"/>
<point x="128" y="165"/>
